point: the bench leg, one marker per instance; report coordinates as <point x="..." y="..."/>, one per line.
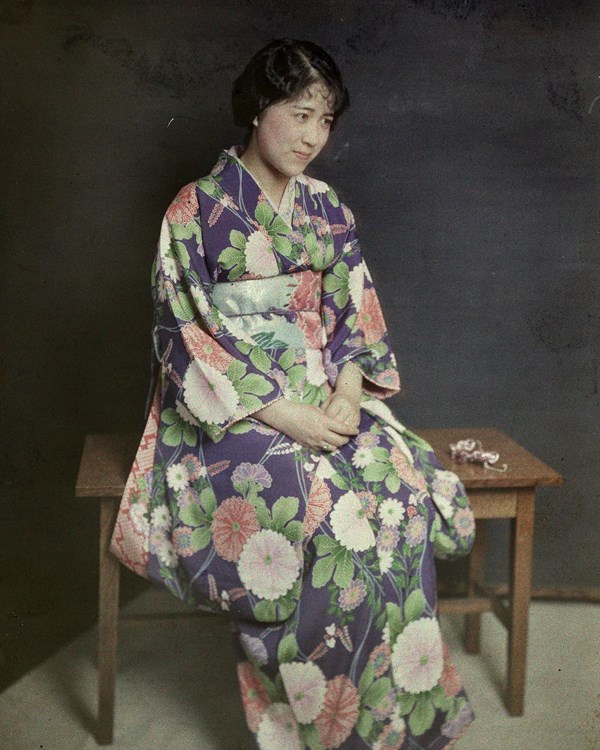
<point x="108" y="615"/>
<point x="520" y="596"/>
<point x="476" y="575"/>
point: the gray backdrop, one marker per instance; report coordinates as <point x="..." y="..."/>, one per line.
<point x="469" y="157"/>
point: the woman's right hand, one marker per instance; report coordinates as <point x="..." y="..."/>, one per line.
<point x="306" y="424"/>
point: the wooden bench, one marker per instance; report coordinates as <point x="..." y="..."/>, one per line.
<point x="106" y="462"/>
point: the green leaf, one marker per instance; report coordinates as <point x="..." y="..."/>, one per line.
<point x="237" y="239"/>
<point x="375" y="472"/>
<point x="381" y="454"/>
<point x="241" y="427"/>
<point x="208" y="501"/>
<point x="264" y="611"/>
<point x="250" y="403"/>
<point x="278" y="225"/>
<point x="296" y="374"/>
<point x="282" y="245"/>
<point x="200" y="537"/>
<point x="189" y="434"/>
<point x="414" y="606"/>
<point x="405" y="702"/>
<point x="364" y="725"/>
<point x="325" y="544"/>
<point x="344" y="572"/>
<point x="255" y="385"/>
<point x="333" y="199"/>
<point x="260" y="360"/>
<point x="377" y="692"/>
<point x="262" y="513"/>
<point x="366" y="678"/>
<point x="310" y="736"/>
<point x="232" y="257"/>
<point x="339" y="481"/>
<point x="392" y="482"/>
<point x="394" y="617"/>
<point x="294" y="531"/>
<point x="264" y="214"/>
<point x="183" y="308"/>
<point x="236" y="370"/>
<point x="322" y="571"/>
<point x="287" y="649"/>
<point x="284" y="509"/>
<point x="440" y="699"/>
<point x="172" y="435"/>
<point x="191" y="515"/>
<point x="287" y="359"/>
<point x="422" y="716"/>
<point x="244" y="347"/>
<point x="170" y="416"/>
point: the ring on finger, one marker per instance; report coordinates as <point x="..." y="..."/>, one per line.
<point x="326" y="446"/>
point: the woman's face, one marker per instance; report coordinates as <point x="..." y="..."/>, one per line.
<point x="290" y="133"/>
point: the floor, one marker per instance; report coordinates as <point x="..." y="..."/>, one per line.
<point x="177" y="691"/>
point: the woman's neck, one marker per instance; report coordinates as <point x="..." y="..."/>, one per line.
<point x="271" y="182"/>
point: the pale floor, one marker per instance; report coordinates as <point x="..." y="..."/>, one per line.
<point x="176" y="688"/>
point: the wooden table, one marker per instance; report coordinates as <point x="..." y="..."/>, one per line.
<point x="106" y="462"/>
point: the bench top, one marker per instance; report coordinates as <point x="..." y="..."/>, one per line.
<point x="107" y="459"/>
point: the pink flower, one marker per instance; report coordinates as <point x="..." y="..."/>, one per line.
<point x="268" y="565"/>
<point x="328" y="317"/>
<point x="254" y="695"/>
<point x="405" y="470"/>
<point x="340" y="712"/>
<point x="234" y="522"/>
<point x="367" y="440"/>
<point x="184" y="206"/>
<point x="368" y="502"/>
<point x="370" y="318"/>
<point x="209" y="395"/>
<point x="307" y="293"/>
<point x="380" y="658"/>
<point x="391" y="738"/>
<point x="464" y="521"/>
<point x="417" y="657"/>
<point x="245" y="472"/>
<point x="192" y="466"/>
<point x="319" y="505"/>
<point x="202" y="346"/>
<point x="182" y="541"/>
<point x="305" y="686"/>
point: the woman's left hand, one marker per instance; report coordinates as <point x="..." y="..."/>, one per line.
<point x="343" y="408"/>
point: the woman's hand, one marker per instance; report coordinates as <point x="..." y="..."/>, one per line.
<point x="308" y="425"/>
<point x="344" y="402"/>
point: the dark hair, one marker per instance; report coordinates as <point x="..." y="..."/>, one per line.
<point x="283" y="69"/>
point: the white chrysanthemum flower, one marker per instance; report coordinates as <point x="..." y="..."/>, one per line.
<point x="362" y="457"/>
<point x="161" y="517"/>
<point x="278" y="729"/>
<point x="209" y="394"/>
<point x="200" y="300"/>
<point x="260" y="258"/>
<point x="268" y="564"/>
<point x="444" y="505"/>
<point x="417" y="656"/>
<point x="356" y="284"/>
<point x="184" y="413"/>
<point x="349" y="524"/>
<point x="324" y="468"/>
<point x="391" y="512"/>
<point x="385" y="561"/>
<point x="305" y="686"/>
<point x="177" y="477"/>
<point x="170" y="267"/>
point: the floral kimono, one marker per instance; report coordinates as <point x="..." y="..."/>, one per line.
<point x="324" y="561"/>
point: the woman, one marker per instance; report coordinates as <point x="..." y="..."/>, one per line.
<point x="272" y="482"/>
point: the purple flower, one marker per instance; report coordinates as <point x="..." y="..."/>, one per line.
<point x="246" y="472"/>
<point x="352" y="595"/>
<point x="415" y="531"/>
<point x="387" y="538"/>
<point x="454" y="728"/>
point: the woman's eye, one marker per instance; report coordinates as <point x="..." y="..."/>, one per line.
<point x="301" y="116"/>
<point x="327" y="123"/>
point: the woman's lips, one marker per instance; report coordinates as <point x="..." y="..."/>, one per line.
<point x="302" y="156"/>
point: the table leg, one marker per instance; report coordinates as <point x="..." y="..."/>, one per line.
<point x="476" y="575"/>
<point x="520" y="596"/>
<point x="108" y="614"/>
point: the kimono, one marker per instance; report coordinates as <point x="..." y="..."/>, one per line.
<point x="324" y="561"/>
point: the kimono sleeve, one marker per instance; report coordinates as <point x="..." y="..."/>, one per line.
<point x="354" y="323"/>
<point x="219" y="372"/>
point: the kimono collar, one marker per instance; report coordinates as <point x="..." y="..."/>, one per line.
<point x="232" y="171"/>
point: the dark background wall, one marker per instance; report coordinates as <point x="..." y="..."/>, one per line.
<point x="469" y="157"/>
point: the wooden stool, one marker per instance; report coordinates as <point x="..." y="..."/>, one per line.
<point x="106" y="462"/>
